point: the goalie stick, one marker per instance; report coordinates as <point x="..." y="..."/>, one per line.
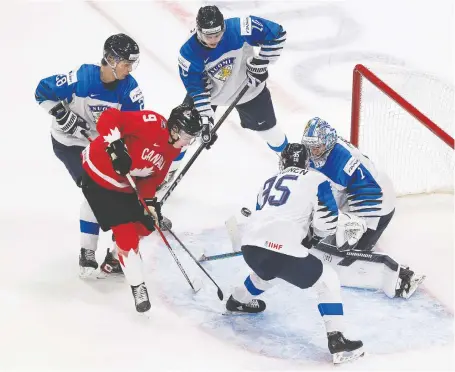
<point x="219" y="256"/>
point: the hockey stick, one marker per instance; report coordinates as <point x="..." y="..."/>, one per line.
<point x="202" y="146"/>
<point x="133" y="185"/>
<point x="220" y="292"/>
<point x="219" y="256"/>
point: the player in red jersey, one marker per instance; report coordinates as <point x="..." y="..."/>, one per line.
<point x="144" y="145"/>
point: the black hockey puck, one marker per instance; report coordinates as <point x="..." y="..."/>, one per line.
<point x="246" y="212"/>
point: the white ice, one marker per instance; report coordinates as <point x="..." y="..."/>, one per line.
<point x="53" y="321"/>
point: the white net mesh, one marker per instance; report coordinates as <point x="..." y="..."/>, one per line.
<point x="416" y="159"/>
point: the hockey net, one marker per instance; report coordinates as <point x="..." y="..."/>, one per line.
<point x="404" y="122"/>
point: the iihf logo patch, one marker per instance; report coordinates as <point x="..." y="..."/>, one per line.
<point x="223" y="69"/>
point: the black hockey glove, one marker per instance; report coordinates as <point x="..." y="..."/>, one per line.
<point x="155" y="216"/>
<point x="207" y="137"/>
<point x="256" y="71"/>
<point x="68" y="121"/>
<point x="121" y="160"/>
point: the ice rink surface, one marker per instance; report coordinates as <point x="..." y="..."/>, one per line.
<point x="53" y="321"/>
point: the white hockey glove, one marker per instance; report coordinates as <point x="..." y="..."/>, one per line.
<point x="206" y="136"/>
<point x="68" y="121"/>
<point x="256" y="71"/>
<point x="349" y="231"/>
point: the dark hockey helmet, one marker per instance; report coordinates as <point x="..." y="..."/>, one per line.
<point x="185" y="121"/>
<point x="295" y="155"/>
<point x="121" y="47"/>
<point x="209" y="20"/>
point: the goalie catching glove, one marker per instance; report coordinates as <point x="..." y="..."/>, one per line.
<point x="256" y="71"/>
<point x="350" y="229"/>
<point x="68" y="121"/>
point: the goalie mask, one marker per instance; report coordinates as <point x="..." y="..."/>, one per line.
<point x="320" y="138"/>
<point x="184" y="124"/>
<point x="294" y="155"/>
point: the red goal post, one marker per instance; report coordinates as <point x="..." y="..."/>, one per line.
<point x="404" y="121"/>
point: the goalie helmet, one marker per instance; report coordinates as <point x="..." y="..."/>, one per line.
<point x="121" y="47"/>
<point x="320" y="138"/>
<point x="294" y="155"/>
<point x="185" y="119"/>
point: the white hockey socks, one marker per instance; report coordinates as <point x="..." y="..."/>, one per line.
<point x="253" y="286"/>
<point x="131" y="262"/>
<point x="89" y="227"/>
<point x="275" y="138"/>
<point x="329" y="297"/>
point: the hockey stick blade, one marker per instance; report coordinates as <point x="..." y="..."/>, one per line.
<point x="220" y="256"/>
<point x="219" y="292"/>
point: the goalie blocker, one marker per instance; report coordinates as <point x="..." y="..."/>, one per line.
<point x="368" y="270"/>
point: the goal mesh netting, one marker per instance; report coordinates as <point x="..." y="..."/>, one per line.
<point x="404" y="121"/>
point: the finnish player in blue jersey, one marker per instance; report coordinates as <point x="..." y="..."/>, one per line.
<point x="359" y="187"/>
<point x="75" y="101"/>
<point x="216" y="60"/>
<point x="366" y="192"/>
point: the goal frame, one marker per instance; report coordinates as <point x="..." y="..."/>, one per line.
<point x="361" y="72"/>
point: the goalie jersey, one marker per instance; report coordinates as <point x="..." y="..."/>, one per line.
<point x="358" y="187"/>
<point x="214" y="76"/>
<point x="287" y="205"/>
<point x="88" y="97"/>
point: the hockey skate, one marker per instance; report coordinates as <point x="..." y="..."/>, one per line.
<point x="110" y="267"/>
<point x="408" y="281"/>
<point x="87" y="263"/>
<point x="141" y="298"/>
<point x="253" y="307"/>
<point x="342" y="349"/>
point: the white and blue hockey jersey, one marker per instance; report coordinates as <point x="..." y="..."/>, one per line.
<point x="358" y="187"/>
<point x="214" y="76"/>
<point x="88" y="97"/>
<point x="288" y="204"/>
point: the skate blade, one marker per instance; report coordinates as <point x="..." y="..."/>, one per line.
<point x="238" y="313"/>
<point x="146" y="314"/>
<point x="415" y="282"/>
<point x="347" y="356"/>
<point x="103" y="275"/>
<point x="86" y="272"/>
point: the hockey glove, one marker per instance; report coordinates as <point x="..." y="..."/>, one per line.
<point x="256" y="71"/>
<point x="155" y="216"/>
<point x="350" y="229"/>
<point x="121" y="160"/>
<point x="207" y="137"/>
<point x="68" y="121"/>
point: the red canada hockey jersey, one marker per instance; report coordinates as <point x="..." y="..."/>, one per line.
<point x="146" y="137"/>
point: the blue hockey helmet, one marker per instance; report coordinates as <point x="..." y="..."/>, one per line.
<point x="320" y="138"/>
